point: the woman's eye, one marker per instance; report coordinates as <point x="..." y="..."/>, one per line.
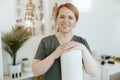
<point x="70" y="18"/>
<point x="61" y="17"/>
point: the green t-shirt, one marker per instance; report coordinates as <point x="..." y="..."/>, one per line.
<point x="46" y="47"/>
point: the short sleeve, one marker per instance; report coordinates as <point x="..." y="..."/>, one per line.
<point x="40" y="54"/>
<point x="83" y="41"/>
<point x="86" y="45"/>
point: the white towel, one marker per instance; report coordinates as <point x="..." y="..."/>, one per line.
<point x="71" y="65"/>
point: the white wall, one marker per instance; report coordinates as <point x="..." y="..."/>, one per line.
<point x="100" y="25"/>
<point x="7" y="20"/>
<point x="7" y="14"/>
<point x="1" y="61"/>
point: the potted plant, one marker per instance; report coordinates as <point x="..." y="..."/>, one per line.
<point x="13" y="40"/>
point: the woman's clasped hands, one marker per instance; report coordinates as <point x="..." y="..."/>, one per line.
<point x="68" y="46"/>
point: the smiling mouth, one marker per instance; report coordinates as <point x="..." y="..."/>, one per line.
<point x="65" y="25"/>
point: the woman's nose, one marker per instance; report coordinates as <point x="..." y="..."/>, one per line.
<point x="66" y="20"/>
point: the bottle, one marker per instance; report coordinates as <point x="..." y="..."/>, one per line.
<point x="25" y="63"/>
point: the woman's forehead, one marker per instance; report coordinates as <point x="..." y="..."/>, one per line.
<point x="65" y="11"/>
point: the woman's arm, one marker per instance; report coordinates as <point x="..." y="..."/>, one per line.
<point x="89" y="62"/>
<point x="39" y="67"/>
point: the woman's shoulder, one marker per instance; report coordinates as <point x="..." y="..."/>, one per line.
<point x="79" y="38"/>
<point x="48" y="38"/>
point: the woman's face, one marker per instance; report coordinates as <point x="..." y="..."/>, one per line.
<point x="66" y="20"/>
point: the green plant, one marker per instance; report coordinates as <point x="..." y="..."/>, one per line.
<point x="13" y="40"/>
<point x="117" y="59"/>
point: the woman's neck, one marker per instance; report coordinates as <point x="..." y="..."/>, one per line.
<point x="64" y="37"/>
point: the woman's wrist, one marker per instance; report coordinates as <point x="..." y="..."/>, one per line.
<point x="53" y="56"/>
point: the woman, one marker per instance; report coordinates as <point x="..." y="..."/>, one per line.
<point x="47" y="58"/>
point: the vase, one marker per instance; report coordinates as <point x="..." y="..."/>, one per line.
<point x="15" y="71"/>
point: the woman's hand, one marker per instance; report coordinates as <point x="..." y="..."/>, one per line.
<point x="77" y="46"/>
<point x="59" y="51"/>
<point x="72" y="45"/>
<point x="63" y="48"/>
